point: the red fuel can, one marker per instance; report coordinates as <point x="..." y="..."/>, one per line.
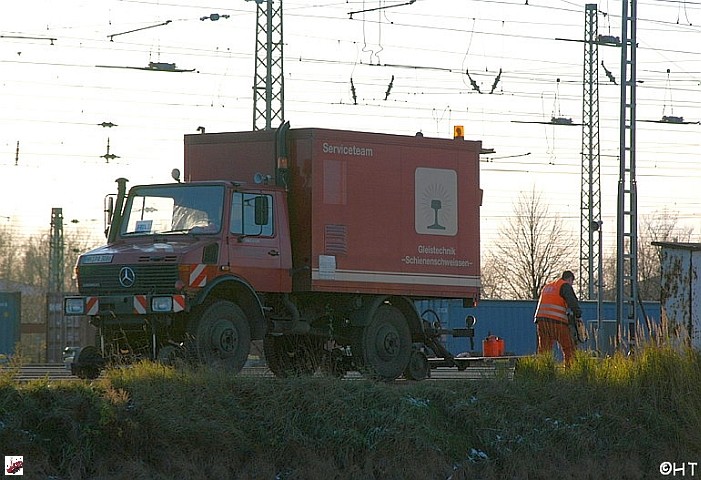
<point x="493" y="346"/>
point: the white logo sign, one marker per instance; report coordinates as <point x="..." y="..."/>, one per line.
<point x="436" y="201"/>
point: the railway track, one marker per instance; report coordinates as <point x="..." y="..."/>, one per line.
<point x="38" y="371"/>
<point x="58" y="372"/>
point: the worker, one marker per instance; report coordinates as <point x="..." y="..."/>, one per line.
<point x="551" y="316"/>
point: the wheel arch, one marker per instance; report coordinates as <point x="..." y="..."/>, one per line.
<point x="239" y="291"/>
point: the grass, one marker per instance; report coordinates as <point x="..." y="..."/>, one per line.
<point x="616" y="417"/>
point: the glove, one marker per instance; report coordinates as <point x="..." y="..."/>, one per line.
<point x="582" y="334"/>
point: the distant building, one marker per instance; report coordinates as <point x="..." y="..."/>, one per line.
<point x="31" y="324"/>
<point x="43" y="330"/>
<point x="680" y="295"/>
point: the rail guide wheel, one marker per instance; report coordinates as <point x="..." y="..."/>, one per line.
<point x="419" y="367"/>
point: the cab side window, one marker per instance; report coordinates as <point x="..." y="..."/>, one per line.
<point x="252" y="214"/>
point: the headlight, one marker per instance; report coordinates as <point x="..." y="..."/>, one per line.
<point x="74" y="306"/>
<point x="162" y="304"/>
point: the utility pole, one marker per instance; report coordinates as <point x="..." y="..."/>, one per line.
<point x="268" y="83"/>
<point x="56" y="251"/>
<point x="627" y="216"/>
<point x="589" y="272"/>
<point x="55" y="324"/>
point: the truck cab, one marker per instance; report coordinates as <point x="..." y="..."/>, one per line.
<point x="176" y="247"/>
<point x="238" y="229"/>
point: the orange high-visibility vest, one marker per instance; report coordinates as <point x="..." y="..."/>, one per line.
<point x="551" y="304"/>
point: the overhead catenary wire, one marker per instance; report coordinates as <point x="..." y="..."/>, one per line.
<point x="406" y="98"/>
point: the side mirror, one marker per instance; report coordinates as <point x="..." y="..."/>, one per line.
<point x="109" y="212"/>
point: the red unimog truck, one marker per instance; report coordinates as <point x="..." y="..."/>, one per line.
<point x="316" y="242"/>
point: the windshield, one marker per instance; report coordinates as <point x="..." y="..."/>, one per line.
<point x="173" y="209"/>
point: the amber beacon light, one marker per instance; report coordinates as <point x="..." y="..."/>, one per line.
<point x="458" y="131"/>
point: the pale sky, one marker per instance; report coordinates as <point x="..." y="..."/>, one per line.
<point x="55" y="92"/>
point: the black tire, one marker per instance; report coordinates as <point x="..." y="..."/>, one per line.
<point x="88" y="364"/>
<point x="222" y="336"/>
<point x="382" y="348"/>
<point x="292" y="355"/>
<point x="419" y="368"/>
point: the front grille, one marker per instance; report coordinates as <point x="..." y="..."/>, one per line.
<point x="158" y="258"/>
<point x="104" y="279"/>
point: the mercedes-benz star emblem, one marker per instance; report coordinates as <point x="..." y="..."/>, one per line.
<point x="127" y="277"/>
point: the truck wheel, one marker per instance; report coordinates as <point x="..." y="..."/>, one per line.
<point x="88" y="364"/>
<point x="223" y="336"/>
<point x="382" y="348"/>
<point x="292" y="355"/>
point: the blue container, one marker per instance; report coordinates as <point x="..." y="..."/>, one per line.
<point x="10" y="316"/>
<point x="511" y="320"/>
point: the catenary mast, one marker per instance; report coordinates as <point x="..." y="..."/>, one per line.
<point x="627" y="212"/>
<point x="589" y="271"/>
<point x="268" y="78"/>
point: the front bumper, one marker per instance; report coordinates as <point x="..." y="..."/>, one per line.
<point x="123" y="304"/>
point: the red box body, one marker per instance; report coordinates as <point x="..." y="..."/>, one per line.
<point x="369" y="212"/>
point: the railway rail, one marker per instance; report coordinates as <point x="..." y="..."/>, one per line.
<point x="478" y="370"/>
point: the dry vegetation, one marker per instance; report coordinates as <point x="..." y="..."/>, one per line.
<point x="611" y="418"/>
